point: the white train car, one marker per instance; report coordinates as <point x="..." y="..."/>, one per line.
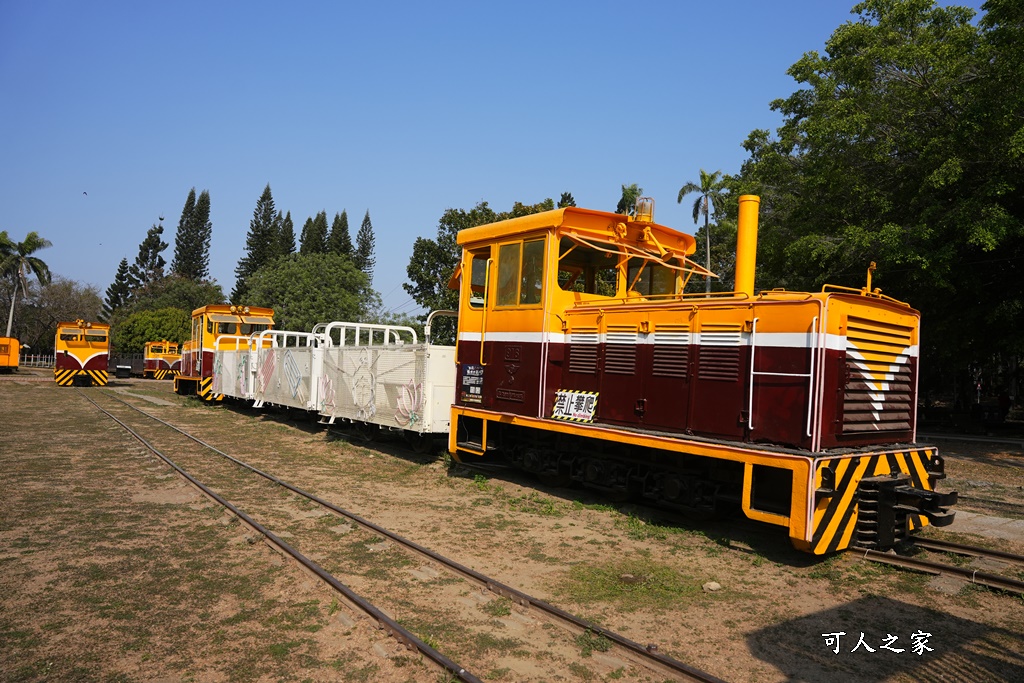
<point x="379" y="376"/>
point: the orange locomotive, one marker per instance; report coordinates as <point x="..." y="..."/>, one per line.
<point x="161" y="359"/>
<point x="581" y="359"/>
<point x="81" y="349"/>
<point x="209" y="324"/>
<point x="10" y="351"/>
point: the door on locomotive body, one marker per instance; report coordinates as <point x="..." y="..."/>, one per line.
<point x="505" y="329"/>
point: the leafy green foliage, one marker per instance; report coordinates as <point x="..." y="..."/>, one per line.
<point x="566" y="200"/>
<point x="627" y="202"/>
<point x="131" y="334"/>
<point x="17" y="264"/>
<point x="45" y="306"/>
<point x="306" y="289"/>
<point x="903" y="147"/>
<point x="176" y="292"/>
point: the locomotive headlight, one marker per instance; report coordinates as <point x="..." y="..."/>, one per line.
<point x="234" y="309"/>
<point x="245" y="311"/>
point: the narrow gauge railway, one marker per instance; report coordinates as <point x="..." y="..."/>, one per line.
<point x="645" y="657"/>
<point x="983" y="578"/>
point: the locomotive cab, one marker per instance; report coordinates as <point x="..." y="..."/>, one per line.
<point x="81" y="349"/>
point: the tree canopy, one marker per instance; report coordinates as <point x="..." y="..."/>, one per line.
<point x="192" y="240"/>
<point x="905" y="146"/>
<point x="132" y="333"/>
<point x="17" y="265"/>
<point x="306" y="289"/>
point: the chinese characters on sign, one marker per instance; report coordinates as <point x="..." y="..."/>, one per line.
<point x="472" y="384"/>
<point x="918" y="643"/>
<point x="575" y="406"/>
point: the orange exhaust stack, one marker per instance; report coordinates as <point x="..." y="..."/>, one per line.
<point x="746" y="243"/>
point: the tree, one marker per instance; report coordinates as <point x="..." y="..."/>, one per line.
<point x="627" y="203"/>
<point x="192" y="240"/>
<point x="149" y="264"/>
<point x="339" y="241"/>
<point x="131" y="335"/>
<point x="46" y="305"/>
<point x="314" y="235"/>
<point x="119" y="293"/>
<point x="566" y="200"/>
<point x="905" y="146"/>
<point x="363" y="257"/>
<point x="263" y="243"/>
<point x="287" y="235"/>
<point x="709" y="198"/>
<point x="174" y="291"/>
<point x="18" y="264"/>
<point x="306" y="289"/>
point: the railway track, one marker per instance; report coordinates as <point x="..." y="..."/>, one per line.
<point x="976" y="576"/>
<point x="646" y="657"/>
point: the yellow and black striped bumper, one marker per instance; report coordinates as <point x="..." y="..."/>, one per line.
<point x="66" y="378"/>
<point x="845" y="508"/>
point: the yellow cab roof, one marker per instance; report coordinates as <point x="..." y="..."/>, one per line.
<point x="82" y="323"/>
<point x="602" y="226"/>
<point x="225" y="309"/>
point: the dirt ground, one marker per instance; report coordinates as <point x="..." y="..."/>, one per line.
<point x="111" y="569"/>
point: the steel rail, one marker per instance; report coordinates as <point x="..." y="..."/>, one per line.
<point x="647" y="653"/>
<point x="974" y="551"/>
<point x="973" y="575"/>
<point x="392" y="627"/>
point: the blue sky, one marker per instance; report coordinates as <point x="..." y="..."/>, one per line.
<point x="401" y="108"/>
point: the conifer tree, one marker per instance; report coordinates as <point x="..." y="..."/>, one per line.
<point x="566" y="200"/>
<point x="149" y="264"/>
<point x="314" y="235"/>
<point x="363" y="257"/>
<point x="287" y="235"/>
<point x="262" y="243"/>
<point x="119" y="292"/>
<point x="192" y="241"/>
<point x="339" y="241"/>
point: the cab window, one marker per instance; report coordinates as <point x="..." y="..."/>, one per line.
<point x="650" y="279"/>
<point x="587" y="270"/>
<point x="520" y="273"/>
<point x="226" y="328"/>
<point x="478" y="280"/>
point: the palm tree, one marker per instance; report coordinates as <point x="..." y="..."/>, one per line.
<point x="710" y="192"/>
<point x="17" y="262"/>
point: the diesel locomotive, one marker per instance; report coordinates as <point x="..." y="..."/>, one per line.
<point x="161" y="359"/>
<point x="81" y="349"/>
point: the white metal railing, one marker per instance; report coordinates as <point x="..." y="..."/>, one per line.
<point x="35" y="360"/>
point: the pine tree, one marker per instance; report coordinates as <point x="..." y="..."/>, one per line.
<point x="287" y="235"/>
<point x="192" y="241"/>
<point x="262" y="243"/>
<point x="149" y="264"/>
<point x="314" y="235"/>
<point x="363" y="257"/>
<point x="339" y="241"/>
<point x="566" y="200"/>
<point x="119" y="292"/>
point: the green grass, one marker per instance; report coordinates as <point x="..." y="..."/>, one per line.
<point x="630" y="584"/>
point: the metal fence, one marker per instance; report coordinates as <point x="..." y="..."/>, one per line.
<point x="32" y="360"/>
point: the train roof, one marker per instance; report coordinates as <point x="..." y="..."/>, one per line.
<point x="586" y="223"/>
<point x="231" y="310"/>
<point x="83" y="324"/>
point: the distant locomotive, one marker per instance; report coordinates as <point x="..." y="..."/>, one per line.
<point x="81" y="349"/>
<point x="10" y="351"/>
<point x="209" y="325"/>
<point x="580" y="358"/>
<point x="161" y="359"/>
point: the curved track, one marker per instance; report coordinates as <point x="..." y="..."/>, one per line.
<point x="645" y="656"/>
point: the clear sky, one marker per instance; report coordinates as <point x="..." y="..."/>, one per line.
<point x="111" y="112"/>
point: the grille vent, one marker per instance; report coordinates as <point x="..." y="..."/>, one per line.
<point x="879" y="388"/>
<point x="583" y="350"/>
<point x="720" y="351"/>
<point x="671" y="351"/>
<point x="620" y="351"/>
